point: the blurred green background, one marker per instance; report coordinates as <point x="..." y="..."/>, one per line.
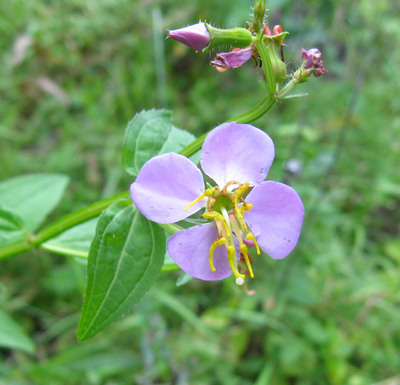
<point x="74" y="72"/>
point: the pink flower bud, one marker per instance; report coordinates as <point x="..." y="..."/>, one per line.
<point x="195" y="36"/>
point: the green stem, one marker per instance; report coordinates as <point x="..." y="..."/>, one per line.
<point x="14" y="249"/>
<point x="287" y="87"/>
<point x="75" y="218"/>
<point x="250" y="116"/>
<point x="257" y="112"/>
<point x="193" y="147"/>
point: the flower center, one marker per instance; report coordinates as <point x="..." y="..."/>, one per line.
<point x="226" y="208"/>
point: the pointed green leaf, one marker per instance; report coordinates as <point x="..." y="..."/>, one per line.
<point x="125" y="259"/>
<point x="32" y="197"/>
<point x="12" y="336"/>
<point x="75" y="241"/>
<point x="148" y="134"/>
<point x="11" y="227"/>
<point x="291" y="96"/>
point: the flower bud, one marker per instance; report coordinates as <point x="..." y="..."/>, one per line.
<point x="259" y="15"/>
<point x="195" y="36"/>
<point x="202" y="36"/>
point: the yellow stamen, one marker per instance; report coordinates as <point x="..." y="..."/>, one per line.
<point x="235" y="198"/>
<point x="217" y="216"/>
<point x="232" y="264"/>
<point x="232" y="182"/>
<point x="214" y="245"/>
<point x="245" y="207"/>
<point x="251" y="237"/>
<point x="207" y="193"/>
<point x="235" y="228"/>
<point x="245" y="252"/>
<point x="243" y="247"/>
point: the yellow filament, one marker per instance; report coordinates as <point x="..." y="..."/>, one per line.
<point x="231" y="260"/>
<point x="235" y="198"/>
<point x="251" y="237"/>
<point x="243" y="225"/>
<point x="218" y="217"/>
<point x="245" y="252"/>
<point x="236" y="228"/>
<point x="214" y="245"/>
<point x="243" y="247"/>
<point x="232" y="182"/>
<point x="207" y="193"/>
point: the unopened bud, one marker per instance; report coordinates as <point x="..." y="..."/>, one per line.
<point x="195" y="36"/>
<point x="203" y="37"/>
<point x="259" y="15"/>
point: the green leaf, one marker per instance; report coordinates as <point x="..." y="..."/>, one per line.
<point x="32" y="197"/>
<point x="125" y="259"/>
<point x="11" y="227"/>
<point x="298" y="95"/>
<point x="12" y="336"/>
<point x="148" y="134"/>
<point x="75" y="241"/>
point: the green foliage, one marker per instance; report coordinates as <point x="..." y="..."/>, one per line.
<point x="11" y="227"/>
<point x="148" y="134"/>
<point x="125" y="259"/>
<point x="12" y="336"/>
<point x="32" y="197"/>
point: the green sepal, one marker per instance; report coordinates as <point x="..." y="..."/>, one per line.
<point x="273" y="45"/>
<point x="236" y="37"/>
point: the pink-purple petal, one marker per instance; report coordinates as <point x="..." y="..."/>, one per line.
<point x="195" y="36"/>
<point x="239" y="152"/>
<point x="190" y="248"/>
<point x="165" y="186"/>
<point x="276" y="217"/>
<point x="232" y="59"/>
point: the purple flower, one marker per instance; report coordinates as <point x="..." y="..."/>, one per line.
<point x="243" y="209"/>
<point x="233" y="59"/>
<point x="195" y="36"/>
<point x="313" y="60"/>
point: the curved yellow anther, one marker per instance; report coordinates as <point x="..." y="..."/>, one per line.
<point x="232" y="182"/>
<point x="235" y="199"/>
<point x="245" y="207"/>
<point x="231" y="260"/>
<point x="251" y="237"/>
<point x="214" y="245"/>
<point x="245" y="252"/>
<point x="207" y="193"/>
<point x="217" y="216"/>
